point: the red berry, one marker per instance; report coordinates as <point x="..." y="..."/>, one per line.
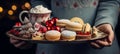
<point x="40" y="30"/>
<point x="53" y="28"/>
<point x="54" y="19"/>
<point x="17" y="24"/>
<point x="44" y="29"/>
<point x="49" y="23"/>
<point x="56" y="28"/>
<point x="48" y="28"/>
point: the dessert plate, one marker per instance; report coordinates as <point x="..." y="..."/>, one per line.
<point x="101" y="35"/>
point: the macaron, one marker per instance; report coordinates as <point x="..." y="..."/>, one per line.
<point x="62" y="22"/>
<point x="52" y="35"/>
<point x="85" y="33"/>
<point x="77" y="20"/>
<point x="74" y="26"/>
<point x="87" y="28"/>
<point x="68" y="35"/>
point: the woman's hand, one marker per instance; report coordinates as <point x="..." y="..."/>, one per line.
<point x="20" y="44"/>
<point x="106" y="41"/>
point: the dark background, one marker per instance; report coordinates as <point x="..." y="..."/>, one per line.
<point x="7" y="21"/>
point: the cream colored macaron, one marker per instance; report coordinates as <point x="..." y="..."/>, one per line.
<point x="68" y="35"/>
<point x="52" y="35"/>
<point x="86" y="28"/>
<point x="62" y="22"/>
<point x="74" y="26"/>
<point x="77" y="20"/>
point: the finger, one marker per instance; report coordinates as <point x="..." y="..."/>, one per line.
<point x="19" y="44"/>
<point x="95" y="44"/>
<point x="103" y="43"/>
<point x="111" y="37"/>
<point x="14" y="41"/>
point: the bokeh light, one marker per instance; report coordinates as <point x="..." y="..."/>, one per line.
<point x="10" y="12"/>
<point x="27" y="5"/>
<point x="1" y="9"/>
<point x="14" y="7"/>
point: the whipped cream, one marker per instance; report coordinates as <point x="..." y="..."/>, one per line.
<point x="40" y="9"/>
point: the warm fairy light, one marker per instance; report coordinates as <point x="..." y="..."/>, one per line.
<point x="10" y="12"/>
<point x="1" y="9"/>
<point x="27" y="5"/>
<point x="14" y="7"/>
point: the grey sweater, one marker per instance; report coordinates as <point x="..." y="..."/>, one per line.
<point x="95" y="12"/>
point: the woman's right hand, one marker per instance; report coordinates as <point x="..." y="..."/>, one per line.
<point x="20" y="44"/>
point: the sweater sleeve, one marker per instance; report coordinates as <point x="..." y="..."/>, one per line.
<point x="107" y="13"/>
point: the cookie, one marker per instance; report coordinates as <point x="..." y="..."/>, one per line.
<point x="52" y="35"/>
<point x="68" y="35"/>
<point x="77" y="20"/>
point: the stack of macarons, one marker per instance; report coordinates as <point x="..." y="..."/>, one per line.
<point x="62" y="22"/>
<point x="77" y="25"/>
<point x="85" y="32"/>
<point x="75" y="28"/>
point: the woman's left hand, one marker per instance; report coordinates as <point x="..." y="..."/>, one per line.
<point x="106" y="41"/>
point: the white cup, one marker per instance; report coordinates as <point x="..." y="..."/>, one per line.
<point x="35" y="17"/>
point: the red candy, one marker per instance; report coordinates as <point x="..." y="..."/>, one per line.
<point x="42" y="29"/>
<point x="17" y="24"/>
<point x="57" y="28"/>
<point x="49" y="28"/>
<point x="54" y="19"/>
<point x="49" y="23"/>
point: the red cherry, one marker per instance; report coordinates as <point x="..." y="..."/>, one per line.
<point x="40" y="30"/>
<point x="17" y="24"/>
<point x="52" y="22"/>
<point x="54" y="19"/>
<point x="49" y="23"/>
<point x="57" y="28"/>
<point x="44" y="29"/>
<point x="48" y="28"/>
<point x="52" y="28"/>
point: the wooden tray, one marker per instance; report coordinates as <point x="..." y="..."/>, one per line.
<point x="101" y="36"/>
